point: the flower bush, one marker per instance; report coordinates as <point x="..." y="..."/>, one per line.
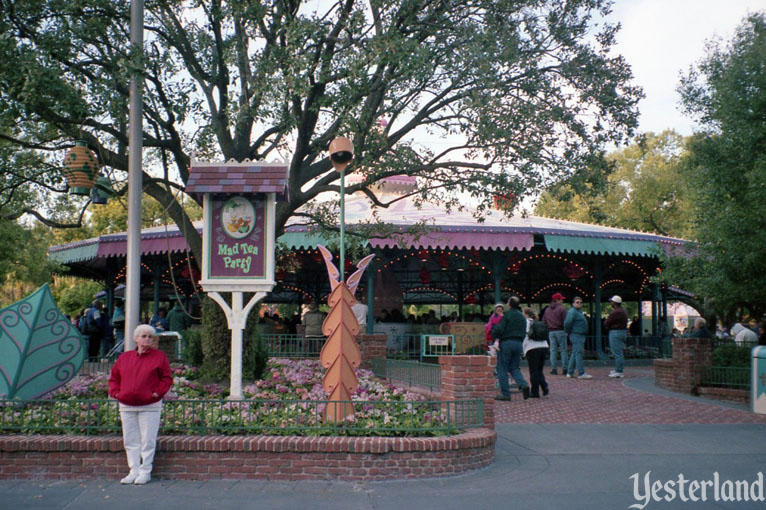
<point x="289" y="400"/>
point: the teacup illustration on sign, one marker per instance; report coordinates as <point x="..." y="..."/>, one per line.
<point x="238" y="217"/>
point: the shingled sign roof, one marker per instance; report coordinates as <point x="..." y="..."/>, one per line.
<point x="235" y="177"/>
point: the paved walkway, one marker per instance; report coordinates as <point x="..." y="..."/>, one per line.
<point x="582" y="447"/>
<point x="633" y="399"/>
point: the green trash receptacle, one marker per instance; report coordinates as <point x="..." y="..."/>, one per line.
<point x="758" y="384"/>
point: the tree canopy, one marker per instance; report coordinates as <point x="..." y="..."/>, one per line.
<point x="726" y="93"/>
<point x="642" y="188"/>
<point x="474" y="98"/>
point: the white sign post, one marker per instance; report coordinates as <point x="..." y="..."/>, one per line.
<point x="238" y="240"/>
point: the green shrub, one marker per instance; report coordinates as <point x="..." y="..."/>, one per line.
<point x="216" y="342"/>
<point x="193" y="347"/>
<point x="255" y="356"/>
<point x="731" y="355"/>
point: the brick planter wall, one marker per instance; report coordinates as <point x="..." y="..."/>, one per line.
<point x="466" y="377"/>
<point x="243" y="457"/>
<point x="682" y="373"/>
<point x="663" y="374"/>
<point x="371" y="347"/>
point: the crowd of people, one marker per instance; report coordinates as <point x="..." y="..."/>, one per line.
<point x="103" y="332"/>
<point x="513" y="332"/>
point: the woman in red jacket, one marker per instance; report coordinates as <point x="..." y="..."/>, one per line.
<point x="139" y="380"/>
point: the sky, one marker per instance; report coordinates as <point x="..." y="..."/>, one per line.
<point x="662" y="38"/>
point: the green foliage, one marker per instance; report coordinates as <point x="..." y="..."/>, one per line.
<point x="726" y="171"/>
<point x="193" y="353"/>
<point x="24" y="266"/>
<point x="255" y="357"/>
<point x="520" y="94"/>
<point x="643" y="189"/>
<point x="731" y="355"/>
<point x="216" y="342"/>
<point x="75" y="294"/>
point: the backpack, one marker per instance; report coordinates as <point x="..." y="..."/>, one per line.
<point x="538" y="331"/>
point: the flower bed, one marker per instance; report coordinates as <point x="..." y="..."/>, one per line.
<point x="289" y="400"/>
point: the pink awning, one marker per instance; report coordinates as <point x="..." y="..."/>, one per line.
<point x="119" y="247"/>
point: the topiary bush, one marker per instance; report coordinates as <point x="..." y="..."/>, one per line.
<point x="192" y="347"/>
<point x="731" y="355"/>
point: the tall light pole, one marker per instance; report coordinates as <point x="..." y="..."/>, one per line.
<point x="341" y="154"/>
<point x="135" y="167"/>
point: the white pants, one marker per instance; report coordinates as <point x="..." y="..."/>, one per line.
<point x="139" y="435"/>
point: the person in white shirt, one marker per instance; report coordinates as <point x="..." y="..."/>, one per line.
<point x="360" y="311"/>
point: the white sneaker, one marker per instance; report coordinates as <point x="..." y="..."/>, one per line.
<point x="142" y="479"/>
<point x="615" y="374"/>
<point x="585" y="376"/>
<point x="130" y="478"/>
<point x="569" y="376"/>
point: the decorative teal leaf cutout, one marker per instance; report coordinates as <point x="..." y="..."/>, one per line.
<point x="40" y="350"/>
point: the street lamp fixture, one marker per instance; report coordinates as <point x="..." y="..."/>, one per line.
<point x="341" y="154"/>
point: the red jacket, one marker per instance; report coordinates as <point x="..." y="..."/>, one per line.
<point x="554" y="316"/>
<point x="136" y="376"/>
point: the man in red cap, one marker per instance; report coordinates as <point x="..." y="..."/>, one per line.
<point x="553" y="318"/>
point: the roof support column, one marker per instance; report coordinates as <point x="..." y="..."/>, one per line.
<point x="156" y="274"/>
<point x="497" y="271"/>
<point x="597" y="312"/>
<point x="371" y="297"/>
<point x="109" y="286"/>
<point x="655" y="309"/>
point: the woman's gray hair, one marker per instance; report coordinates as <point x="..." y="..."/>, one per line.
<point x="143" y="328"/>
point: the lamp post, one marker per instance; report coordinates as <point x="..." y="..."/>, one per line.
<point x="341" y="154"/>
<point x="135" y="143"/>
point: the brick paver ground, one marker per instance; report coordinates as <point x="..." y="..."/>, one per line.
<point x="609" y="401"/>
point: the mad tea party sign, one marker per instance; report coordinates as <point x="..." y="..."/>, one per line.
<point x="238" y="239"/>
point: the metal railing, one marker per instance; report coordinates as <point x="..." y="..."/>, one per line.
<point x="726" y="377"/>
<point x="94" y="366"/>
<point x="269" y="417"/>
<point x="412" y="373"/>
<point x="407" y="347"/>
<point x="293" y="346"/>
<point x="643" y="347"/>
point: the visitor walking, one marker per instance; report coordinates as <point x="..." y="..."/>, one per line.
<point x="535" y="351"/>
<point x="492" y="345"/>
<point x="510" y="333"/>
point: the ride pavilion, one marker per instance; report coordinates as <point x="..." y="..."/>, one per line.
<point x="428" y="256"/>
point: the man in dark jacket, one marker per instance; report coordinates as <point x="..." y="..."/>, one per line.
<point x="617" y="324"/>
<point x="510" y="333"/>
<point x="700" y="329"/>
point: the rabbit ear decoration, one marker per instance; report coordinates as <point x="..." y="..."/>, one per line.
<point x="332" y="271"/>
<point x="354" y="279"/>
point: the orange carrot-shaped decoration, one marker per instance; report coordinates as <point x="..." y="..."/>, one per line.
<point x="340" y="354"/>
